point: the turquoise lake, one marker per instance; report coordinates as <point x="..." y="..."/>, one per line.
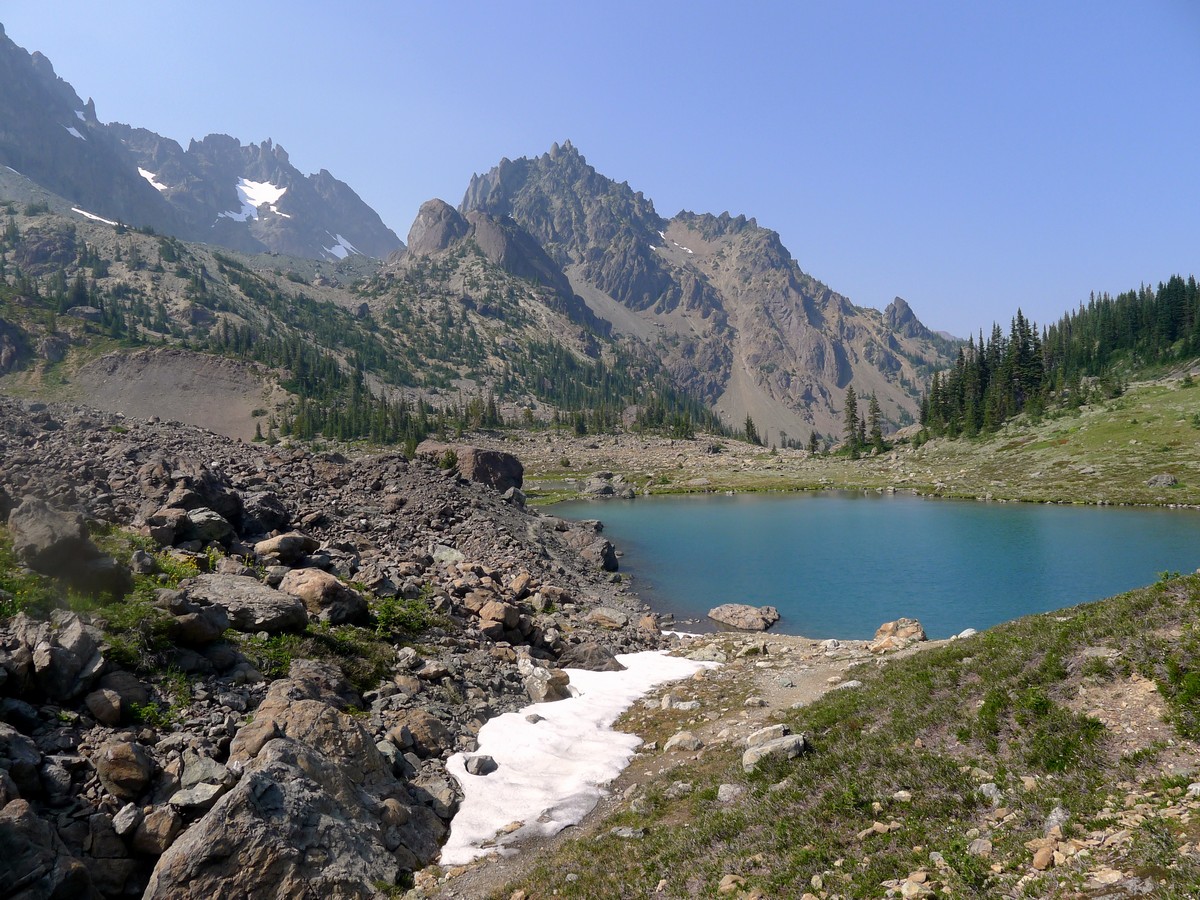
<point x="840" y="564"/>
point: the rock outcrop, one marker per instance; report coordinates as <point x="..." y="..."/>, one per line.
<point x="744" y="616"/>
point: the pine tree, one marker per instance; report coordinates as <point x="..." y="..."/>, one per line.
<point x="752" y="431"/>
<point x="875" y="424"/>
<point x="852" y="422"/>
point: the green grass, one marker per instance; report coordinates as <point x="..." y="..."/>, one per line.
<point x="998" y="702"/>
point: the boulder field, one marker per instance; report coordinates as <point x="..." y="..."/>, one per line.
<point x="197" y="752"/>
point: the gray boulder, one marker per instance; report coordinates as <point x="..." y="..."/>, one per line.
<point x="787" y="747"/>
<point x="325" y="597"/>
<point x="745" y="617"/>
<point x="1163" y="479"/>
<point x="317" y="811"/>
<point x="49" y="540"/>
<point x="204" y="524"/>
<point x="34" y="862"/>
<point x="542" y="683"/>
<point x="590" y="656"/>
<point x="251" y="605"/>
<point x="495" y="468"/>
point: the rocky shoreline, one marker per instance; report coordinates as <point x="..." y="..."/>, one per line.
<point x="198" y="770"/>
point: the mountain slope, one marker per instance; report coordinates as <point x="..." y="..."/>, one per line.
<point x="720" y="299"/>
<point x="247" y="198"/>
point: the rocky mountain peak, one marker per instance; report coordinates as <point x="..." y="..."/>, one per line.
<point x="218" y="191"/>
<point x="900" y="317"/>
<point x="438" y="226"/>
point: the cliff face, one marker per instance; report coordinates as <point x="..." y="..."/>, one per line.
<point x="719" y="298"/>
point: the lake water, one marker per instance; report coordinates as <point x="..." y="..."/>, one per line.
<point x="840" y="564"/>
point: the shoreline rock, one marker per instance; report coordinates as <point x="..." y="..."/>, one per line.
<point x="744" y="617"/>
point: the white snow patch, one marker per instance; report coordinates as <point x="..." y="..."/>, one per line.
<point x="652" y="247"/>
<point x="79" y="114"/>
<point x="71" y="130"/>
<point x="686" y="249"/>
<point x="152" y="178"/>
<point x="342" y="248"/>
<point x="254" y="194"/>
<point x="92" y="216"/>
<point x="551" y="774"/>
<point x="14" y="171"/>
<point x="661" y="235"/>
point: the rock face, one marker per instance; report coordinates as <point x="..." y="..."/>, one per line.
<point x="496" y="469"/>
<point x="752" y="333"/>
<point x="745" y="617"/>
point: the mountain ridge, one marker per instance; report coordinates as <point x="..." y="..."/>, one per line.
<point x="248" y="198"/>
<point x="721" y="298"/>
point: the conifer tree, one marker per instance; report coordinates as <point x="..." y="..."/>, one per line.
<point x="875" y="424"/>
<point x="852" y="422"/>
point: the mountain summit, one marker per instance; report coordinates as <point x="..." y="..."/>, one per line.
<point x="719" y="297"/>
<point x="248" y="198"/>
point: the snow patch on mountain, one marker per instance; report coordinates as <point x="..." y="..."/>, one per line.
<point x="152" y="178"/>
<point x="92" y="216"/>
<point x="342" y="248"/>
<point x="254" y="194"/>
<point x="71" y="130"/>
<point x="80" y="115"/>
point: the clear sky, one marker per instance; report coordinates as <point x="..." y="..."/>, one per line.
<point x="970" y="157"/>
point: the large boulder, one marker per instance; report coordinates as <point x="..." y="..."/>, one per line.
<point x="543" y="684"/>
<point x="51" y="541"/>
<point x="590" y="656"/>
<point x="34" y="862"/>
<point x="787" y="746"/>
<point x="124" y="769"/>
<point x="317" y="811"/>
<point x="251" y="605"/>
<point x="288" y="549"/>
<point x="494" y="468"/>
<point x="264" y="511"/>
<point x="325" y="597"/>
<point x="745" y="617"/>
<point x="897" y="635"/>
<point x="602" y="554"/>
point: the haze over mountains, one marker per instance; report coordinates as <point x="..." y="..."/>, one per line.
<point x="716" y="301"/>
<point x="247" y="198"/>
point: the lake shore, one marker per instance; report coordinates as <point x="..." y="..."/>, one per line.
<point x="1104" y="454"/>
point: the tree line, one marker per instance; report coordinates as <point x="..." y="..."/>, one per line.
<point x="1091" y="349"/>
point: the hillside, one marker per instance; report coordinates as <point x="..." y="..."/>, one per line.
<point x="348" y="349"/>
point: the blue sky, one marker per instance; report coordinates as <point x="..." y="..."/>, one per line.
<point x="969" y="157"/>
